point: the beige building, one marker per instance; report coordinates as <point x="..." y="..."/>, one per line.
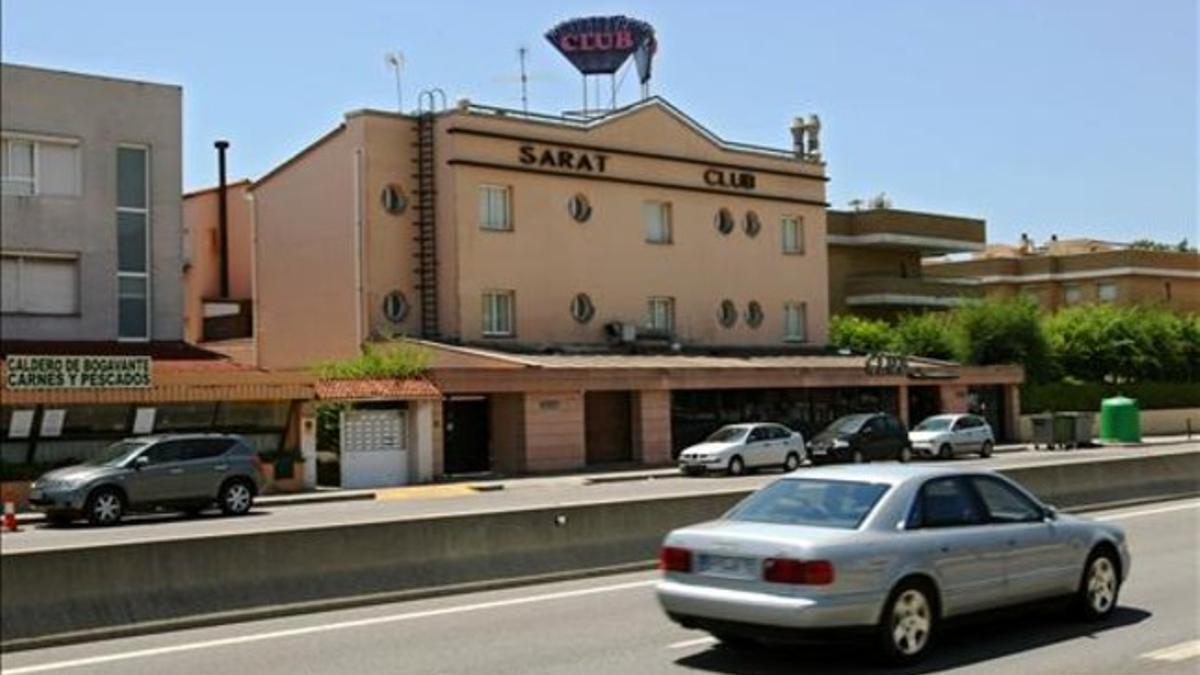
<point x="875" y="261"/>
<point x="1062" y="273"/>
<point x="593" y="291"/>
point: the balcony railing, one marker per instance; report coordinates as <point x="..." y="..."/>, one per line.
<point x="911" y="292"/>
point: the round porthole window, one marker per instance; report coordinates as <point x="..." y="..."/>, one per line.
<point x="582" y="309"/>
<point x="753" y="224"/>
<point x="724" y="222"/>
<point x="394" y="201"/>
<point x="754" y="314"/>
<point x="728" y="313"/>
<point x="395" y="306"/>
<point x="579" y="208"/>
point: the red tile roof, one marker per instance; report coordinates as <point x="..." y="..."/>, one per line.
<point x="345" y="390"/>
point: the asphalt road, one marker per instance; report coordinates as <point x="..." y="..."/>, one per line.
<point x="424" y="502"/>
<point x="613" y="625"/>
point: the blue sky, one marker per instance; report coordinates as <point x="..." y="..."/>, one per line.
<point x="1075" y="117"/>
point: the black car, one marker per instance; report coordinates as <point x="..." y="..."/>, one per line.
<point x="861" y="438"/>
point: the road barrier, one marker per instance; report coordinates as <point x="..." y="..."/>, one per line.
<point x="71" y="595"/>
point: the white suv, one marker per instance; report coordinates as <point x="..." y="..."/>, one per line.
<point x="944" y="436"/>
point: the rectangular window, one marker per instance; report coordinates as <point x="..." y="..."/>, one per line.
<point x="133" y="243"/>
<point x="35" y="284"/>
<point x="498" y="313"/>
<point x="795" y="322"/>
<point x="660" y="314"/>
<point x="657" y="217"/>
<point x="1107" y="291"/>
<point x="39" y="166"/>
<point x="793" y="235"/>
<point x="495" y="210"/>
<point x="1072" y="295"/>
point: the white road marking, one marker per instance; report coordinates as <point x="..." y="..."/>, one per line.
<point x="308" y="630"/>
<point x="1148" y="512"/>
<point x="708" y="639"/>
<point x="1180" y="652"/>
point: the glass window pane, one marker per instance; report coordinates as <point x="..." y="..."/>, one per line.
<point x="185" y="416"/>
<point x="131" y="242"/>
<point x="131" y="308"/>
<point x="20" y="159"/>
<point x="131" y="177"/>
<point x="97" y="419"/>
<point x="9" y="286"/>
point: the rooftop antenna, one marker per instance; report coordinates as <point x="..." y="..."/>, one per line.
<point x="522" y="52"/>
<point x="396" y="61"/>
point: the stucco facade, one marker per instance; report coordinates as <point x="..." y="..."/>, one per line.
<point x="1074" y="272"/>
<point x="85" y="119"/>
<point x="329" y="198"/>
<point x="202" y="250"/>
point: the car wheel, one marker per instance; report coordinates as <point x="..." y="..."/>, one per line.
<point x="907" y="626"/>
<point x="236" y="497"/>
<point x="737" y="467"/>
<point x="905" y="454"/>
<point x="736" y="642"/>
<point x="1100" y="585"/>
<point x="985" y="450"/>
<point x="946" y="451"/>
<point x="857" y="457"/>
<point x="105" y="506"/>
<point x="792" y="462"/>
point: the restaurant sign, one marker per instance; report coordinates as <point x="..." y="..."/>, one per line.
<point x="76" y="372"/>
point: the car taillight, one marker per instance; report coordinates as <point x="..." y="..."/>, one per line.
<point x="674" y="559"/>
<point x="806" y="572"/>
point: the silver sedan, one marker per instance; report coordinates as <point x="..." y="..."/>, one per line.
<point x="885" y="552"/>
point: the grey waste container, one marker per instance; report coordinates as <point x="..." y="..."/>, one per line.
<point x="1073" y="429"/>
<point x="1043" y="430"/>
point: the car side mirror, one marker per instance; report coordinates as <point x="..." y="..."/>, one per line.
<point x="1050" y="513"/>
<point x="140" y="462"/>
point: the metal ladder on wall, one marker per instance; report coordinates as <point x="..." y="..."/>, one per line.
<point x="426" y="221"/>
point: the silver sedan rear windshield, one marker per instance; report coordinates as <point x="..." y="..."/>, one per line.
<point x="813" y="502"/>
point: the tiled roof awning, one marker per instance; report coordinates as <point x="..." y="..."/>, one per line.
<point x="416" y="388"/>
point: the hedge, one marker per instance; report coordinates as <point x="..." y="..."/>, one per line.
<point x="1055" y="396"/>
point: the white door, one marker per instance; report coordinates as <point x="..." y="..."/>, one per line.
<point x="374" y="448"/>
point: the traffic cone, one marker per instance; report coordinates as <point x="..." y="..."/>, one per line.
<point x="10" y="517"/>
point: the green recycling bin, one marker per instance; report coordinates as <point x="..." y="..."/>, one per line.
<point x="1120" y="420"/>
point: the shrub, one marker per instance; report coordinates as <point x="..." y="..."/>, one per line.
<point x="1003" y="331"/>
<point x="398" y="359"/>
<point x="930" y="334"/>
<point x="1086" y="396"/>
<point x="1107" y="343"/>
<point x="862" y="335"/>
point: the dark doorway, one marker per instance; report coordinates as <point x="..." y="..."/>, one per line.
<point x="989" y="402"/>
<point x="465" y="421"/>
<point x="607" y="427"/>
<point x="922" y="402"/>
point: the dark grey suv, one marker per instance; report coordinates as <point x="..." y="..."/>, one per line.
<point x="188" y="472"/>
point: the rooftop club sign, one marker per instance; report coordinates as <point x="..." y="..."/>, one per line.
<point x="599" y="45"/>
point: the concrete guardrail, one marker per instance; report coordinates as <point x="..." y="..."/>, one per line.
<point x="72" y="595"/>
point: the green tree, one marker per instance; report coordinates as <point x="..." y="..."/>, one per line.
<point x="930" y="334"/>
<point x="1004" y="331"/>
<point x="1107" y="343"/>
<point x="862" y="335"/>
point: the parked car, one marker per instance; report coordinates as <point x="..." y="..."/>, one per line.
<point x="186" y="472"/>
<point x="738" y="447"/>
<point x="945" y="436"/>
<point x="860" y="438"/>
<point x="883" y="552"/>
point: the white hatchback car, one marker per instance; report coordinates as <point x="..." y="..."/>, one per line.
<point x="737" y="447"/>
<point x="944" y="436"/>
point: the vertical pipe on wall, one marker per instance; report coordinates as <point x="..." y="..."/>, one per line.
<point x="358" y="246"/>
<point x="222" y="217"/>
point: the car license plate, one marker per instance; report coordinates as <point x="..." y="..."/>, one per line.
<point x="727" y="567"/>
<point x="820" y="450"/>
<point x="35" y="494"/>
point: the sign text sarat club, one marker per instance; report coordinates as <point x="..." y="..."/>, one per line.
<point x="77" y="372"/>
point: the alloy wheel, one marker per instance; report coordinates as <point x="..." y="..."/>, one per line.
<point x="106" y="508"/>
<point x="237" y="498"/>
<point x="792" y="462"/>
<point x="1101" y="585"/>
<point x="912" y="621"/>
